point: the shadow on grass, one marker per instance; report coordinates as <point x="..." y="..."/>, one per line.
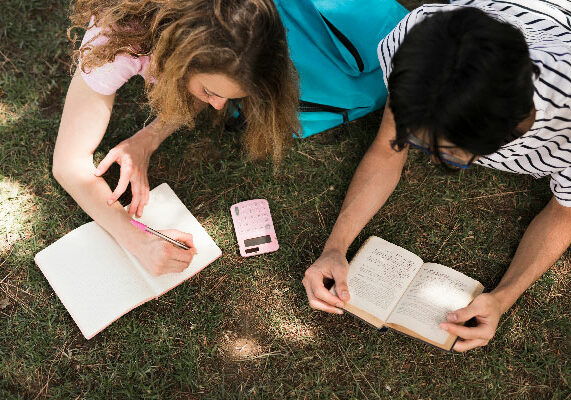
<point x="242" y="328"/>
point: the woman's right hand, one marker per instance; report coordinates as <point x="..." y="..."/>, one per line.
<point x="161" y="257"/>
<point x="332" y="264"/>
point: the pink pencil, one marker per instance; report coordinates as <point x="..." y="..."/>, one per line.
<point x="145" y="228"/>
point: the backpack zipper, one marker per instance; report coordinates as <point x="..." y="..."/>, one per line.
<point x="346" y="42"/>
<point x="307" y="106"/>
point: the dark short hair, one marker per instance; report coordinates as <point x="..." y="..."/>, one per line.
<point x="462" y="76"/>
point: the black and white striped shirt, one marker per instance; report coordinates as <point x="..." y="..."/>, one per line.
<point x="546" y="148"/>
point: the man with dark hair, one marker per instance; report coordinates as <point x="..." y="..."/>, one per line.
<point x="473" y="82"/>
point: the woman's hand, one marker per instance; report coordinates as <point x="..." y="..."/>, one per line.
<point x="161" y="257"/>
<point x="133" y="156"/>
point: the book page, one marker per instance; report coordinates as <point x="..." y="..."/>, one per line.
<point x="378" y="276"/>
<point x="166" y="211"/>
<point x="93" y="277"/>
<point x="434" y="292"/>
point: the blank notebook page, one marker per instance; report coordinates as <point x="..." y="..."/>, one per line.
<point x="93" y="277"/>
<point x="98" y="281"/>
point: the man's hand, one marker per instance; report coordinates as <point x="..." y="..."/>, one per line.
<point x="487" y="311"/>
<point x="133" y="156"/>
<point x="331" y="264"/>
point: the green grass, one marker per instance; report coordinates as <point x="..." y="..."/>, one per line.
<point x="242" y="328"/>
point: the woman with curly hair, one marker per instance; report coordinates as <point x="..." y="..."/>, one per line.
<point x="192" y="53"/>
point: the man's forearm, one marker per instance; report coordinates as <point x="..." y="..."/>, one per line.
<point x="544" y="241"/>
<point x="375" y="179"/>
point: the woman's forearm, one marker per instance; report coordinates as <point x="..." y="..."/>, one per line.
<point x="158" y="131"/>
<point x="84" y="121"/>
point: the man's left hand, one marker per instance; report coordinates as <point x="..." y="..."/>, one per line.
<point x="486" y="309"/>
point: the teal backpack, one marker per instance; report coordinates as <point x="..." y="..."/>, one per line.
<point x="333" y="45"/>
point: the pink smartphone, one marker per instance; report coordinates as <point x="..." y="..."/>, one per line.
<point x="254" y="227"/>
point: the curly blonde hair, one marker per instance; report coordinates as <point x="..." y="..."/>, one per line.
<point x="242" y="39"/>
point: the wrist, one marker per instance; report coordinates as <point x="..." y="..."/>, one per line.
<point x="131" y="237"/>
<point x="152" y="138"/>
<point x="504" y="298"/>
<point x="334" y="248"/>
<point x="342" y="235"/>
<point x="159" y="130"/>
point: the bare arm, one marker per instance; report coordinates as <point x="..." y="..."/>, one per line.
<point x="544" y="241"/>
<point x="375" y="179"/>
<point x="84" y="121"/>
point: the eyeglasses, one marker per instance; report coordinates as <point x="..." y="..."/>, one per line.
<point x="447" y="158"/>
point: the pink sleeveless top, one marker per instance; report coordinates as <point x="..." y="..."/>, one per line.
<point x="109" y="77"/>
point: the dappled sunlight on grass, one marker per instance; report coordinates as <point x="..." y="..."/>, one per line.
<point x="243" y="328"/>
<point x="15" y="214"/>
<point x="284" y="322"/>
<point x="8" y="115"/>
<point x="240" y="348"/>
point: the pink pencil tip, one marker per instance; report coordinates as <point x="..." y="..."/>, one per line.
<point x="139" y="225"/>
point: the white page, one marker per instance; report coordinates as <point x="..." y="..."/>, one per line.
<point x="435" y="291"/>
<point x="379" y="275"/>
<point x="98" y="281"/>
<point x="166" y="211"/>
<point x="93" y="277"/>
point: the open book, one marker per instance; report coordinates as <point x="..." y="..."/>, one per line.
<point x="98" y="280"/>
<point x="390" y="286"/>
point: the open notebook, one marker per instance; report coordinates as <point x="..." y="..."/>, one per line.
<point x="98" y="280"/>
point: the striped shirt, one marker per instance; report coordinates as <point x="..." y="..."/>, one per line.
<point x="546" y="25"/>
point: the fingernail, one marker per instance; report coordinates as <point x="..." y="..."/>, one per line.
<point x="339" y="311"/>
<point x="452" y="317"/>
<point x="109" y="202"/>
<point x="339" y="304"/>
<point x="345" y="295"/>
<point x="97" y="172"/>
<point x="443" y="327"/>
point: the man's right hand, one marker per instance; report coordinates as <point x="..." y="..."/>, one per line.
<point x="332" y="264"/>
<point x="375" y="179"/>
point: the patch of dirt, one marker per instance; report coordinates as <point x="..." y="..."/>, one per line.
<point x="52" y="102"/>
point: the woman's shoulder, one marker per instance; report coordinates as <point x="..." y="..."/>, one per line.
<point x="109" y="77"/>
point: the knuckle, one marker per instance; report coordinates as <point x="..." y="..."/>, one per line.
<point x="308" y="274"/>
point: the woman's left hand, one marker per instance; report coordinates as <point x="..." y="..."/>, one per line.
<point x="133" y="156"/>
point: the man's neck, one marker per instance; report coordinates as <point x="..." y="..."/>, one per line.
<point x="527" y="123"/>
